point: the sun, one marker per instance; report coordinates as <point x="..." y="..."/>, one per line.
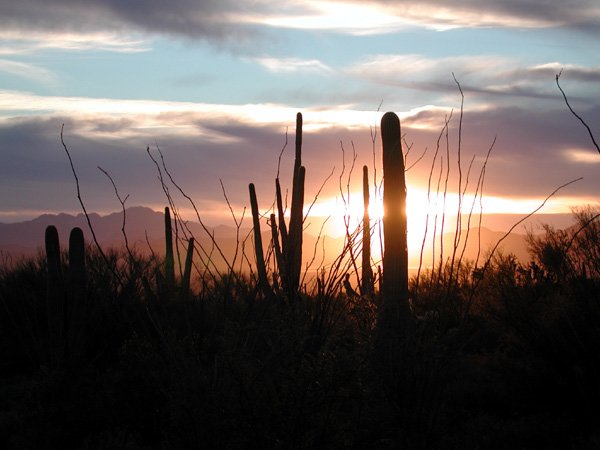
<point x="345" y="215"/>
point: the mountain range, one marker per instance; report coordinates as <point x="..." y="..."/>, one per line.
<point x="145" y="232"/>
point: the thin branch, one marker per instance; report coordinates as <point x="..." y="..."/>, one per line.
<point x="122" y="202"/>
<point x="493" y="251"/>
<point x="87" y="217"/>
<point x="575" y="114"/>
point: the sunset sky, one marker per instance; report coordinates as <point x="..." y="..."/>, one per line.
<point x="215" y="84"/>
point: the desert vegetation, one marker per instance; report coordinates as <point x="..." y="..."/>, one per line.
<point x="114" y="349"/>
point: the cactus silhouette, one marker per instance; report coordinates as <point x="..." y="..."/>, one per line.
<point x="281" y="261"/>
<point x="289" y="251"/>
<point x="395" y="258"/>
<point x="294" y="250"/>
<point x="76" y="297"/>
<point x="276" y="248"/>
<point x="55" y="297"/>
<point x="187" y="270"/>
<point x="260" y="259"/>
<point x="169" y="258"/>
<point x="65" y="298"/>
<point x="367" y="271"/>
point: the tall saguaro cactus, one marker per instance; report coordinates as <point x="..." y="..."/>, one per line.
<point x="289" y="252"/>
<point x="395" y="257"/>
<point x="367" y="271"/>
<point x="65" y="297"/>
<point x="294" y="250"/>
<point x="55" y="296"/>
<point x="260" y="259"/>
<point x="76" y="298"/>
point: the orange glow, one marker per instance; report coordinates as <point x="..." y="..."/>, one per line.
<point x="427" y="209"/>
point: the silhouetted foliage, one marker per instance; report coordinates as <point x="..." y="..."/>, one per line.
<point x="513" y="363"/>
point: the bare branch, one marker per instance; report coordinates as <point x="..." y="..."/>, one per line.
<point x="122" y="202"/>
<point x="87" y="217"/>
<point x="575" y="114"/>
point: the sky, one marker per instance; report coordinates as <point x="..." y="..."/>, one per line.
<point x="216" y="84"/>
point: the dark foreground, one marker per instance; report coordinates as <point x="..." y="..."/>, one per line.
<point x="509" y="359"/>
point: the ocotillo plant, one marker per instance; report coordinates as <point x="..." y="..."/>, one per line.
<point x="395" y="257"/>
<point x="367" y="271"/>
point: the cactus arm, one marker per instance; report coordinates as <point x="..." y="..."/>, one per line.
<point x="260" y="259"/>
<point x="187" y="271"/>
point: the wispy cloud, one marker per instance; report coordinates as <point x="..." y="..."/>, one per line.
<point x="28" y="71"/>
<point x="147" y="118"/>
<point x="483" y="75"/>
<point x="293" y="65"/>
<point x="577" y="14"/>
<point x="385" y="16"/>
<point x="19" y="42"/>
<point x="343" y="17"/>
<point x="582" y="156"/>
<point x="549" y="70"/>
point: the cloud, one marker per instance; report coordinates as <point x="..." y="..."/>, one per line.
<point x="152" y="117"/>
<point x="572" y="71"/>
<point x="487" y="76"/>
<point x="28" y="71"/>
<point x="342" y="17"/>
<point x="576" y="14"/>
<point x="16" y="42"/>
<point x="582" y="156"/>
<point x="205" y="143"/>
<point x="99" y="23"/>
<point x="293" y="65"/>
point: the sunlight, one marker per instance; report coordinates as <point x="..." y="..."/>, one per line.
<point x="582" y="156"/>
<point x="347" y="17"/>
<point x="426" y="213"/>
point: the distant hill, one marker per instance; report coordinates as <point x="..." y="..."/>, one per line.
<point x="145" y="226"/>
<point x="141" y="222"/>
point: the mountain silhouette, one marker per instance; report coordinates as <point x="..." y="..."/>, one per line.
<point x="145" y="233"/>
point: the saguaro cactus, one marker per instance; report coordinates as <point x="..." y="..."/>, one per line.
<point x="294" y="250"/>
<point x="281" y="261"/>
<point x="187" y="270"/>
<point x="260" y="259"/>
<point x="55" y="297"/>
<point x="76" y="299"/>
<point x="289" y="259"/>
<point x="169" y="257"/>
<point x="395" y="257"/>
<point x="65" y="297"/>
<point x="367" y="271"/>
